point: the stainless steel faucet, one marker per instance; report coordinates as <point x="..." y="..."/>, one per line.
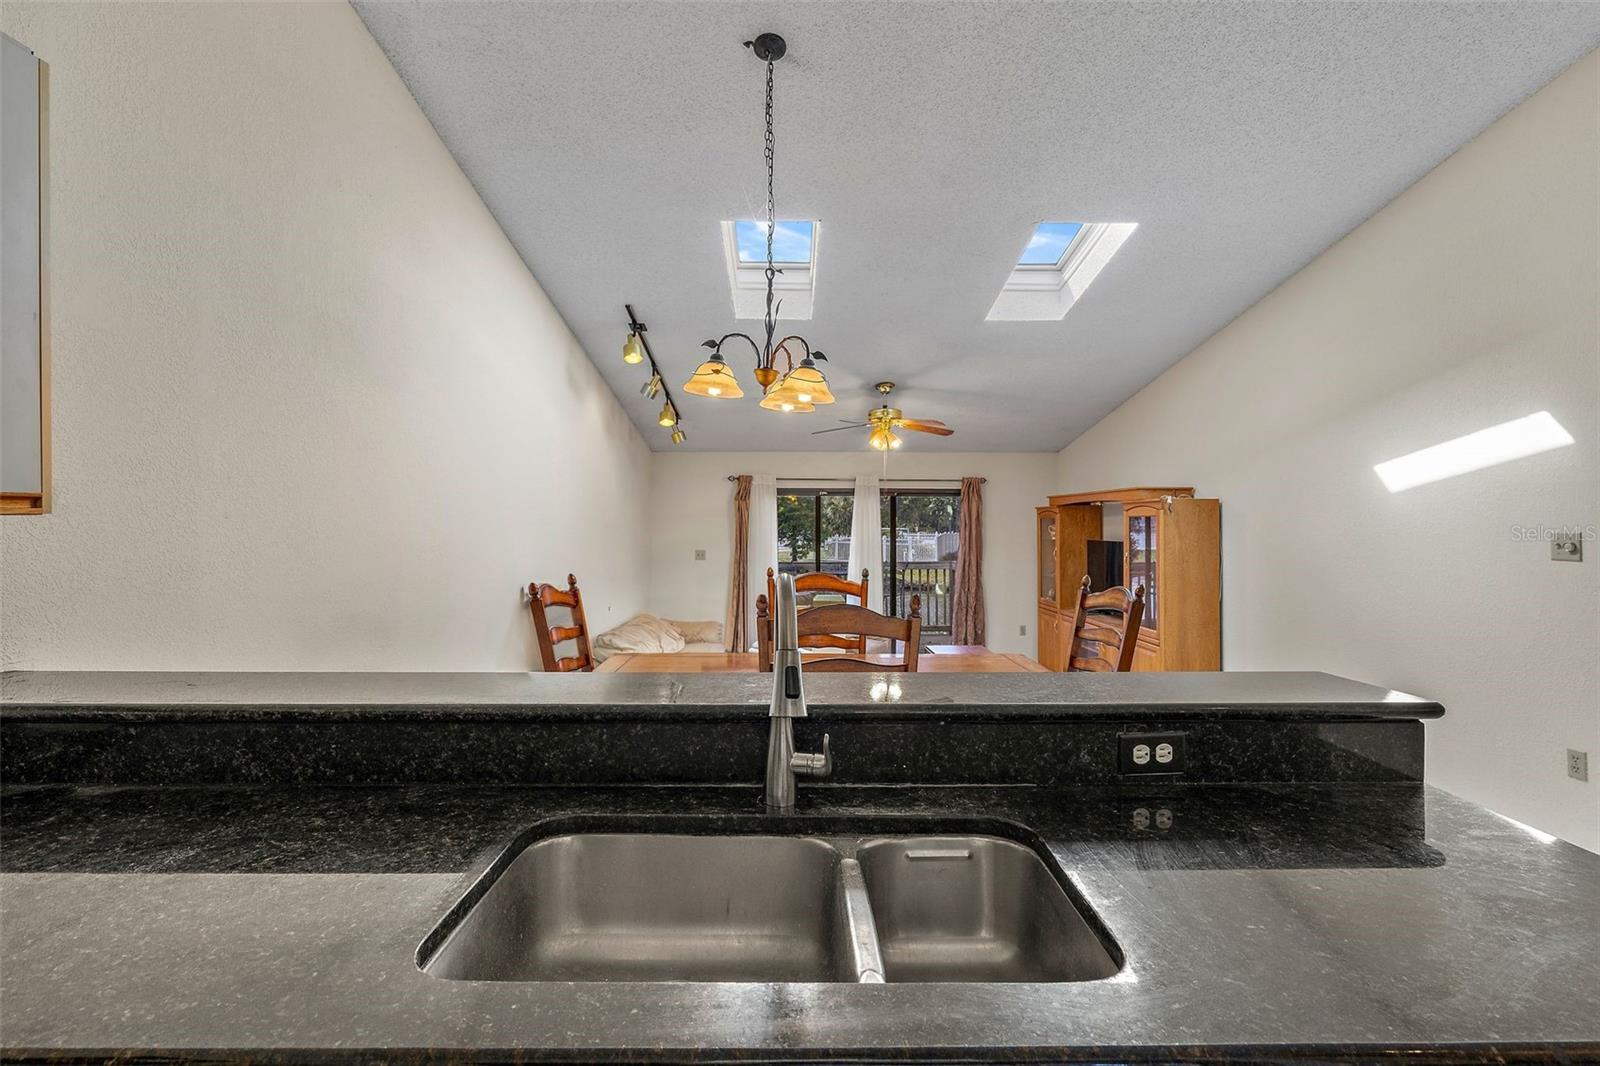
<point x="788" y="703"/>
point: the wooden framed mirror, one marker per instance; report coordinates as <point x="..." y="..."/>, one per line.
<point x="24" y="281"/>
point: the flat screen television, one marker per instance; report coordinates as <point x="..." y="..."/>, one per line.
<point x="1105" y="564"/>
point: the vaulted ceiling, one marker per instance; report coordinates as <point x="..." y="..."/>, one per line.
<point x="610" y="139"/>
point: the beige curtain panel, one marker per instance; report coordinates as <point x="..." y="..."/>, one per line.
<point x="967" y="625"/>
<point x="735" y="625"/>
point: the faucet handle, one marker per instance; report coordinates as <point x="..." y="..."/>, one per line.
<point x="813" y="765"/>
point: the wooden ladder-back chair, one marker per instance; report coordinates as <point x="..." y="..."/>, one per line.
<point x="820" y="582"/>
<point x="846" y="618"/>
<point x="541" y="598"/>
<point x="1105" y="629"/>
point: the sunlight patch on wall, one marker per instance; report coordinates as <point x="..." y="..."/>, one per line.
<point x="1521" y="437"/>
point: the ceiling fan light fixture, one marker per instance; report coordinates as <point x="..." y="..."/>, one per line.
<point x="713" y="380"/>
<point x="882" y="439"/>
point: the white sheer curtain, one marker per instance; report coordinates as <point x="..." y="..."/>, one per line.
<point x="866" y="538"/>
<point x="763" y="539"/>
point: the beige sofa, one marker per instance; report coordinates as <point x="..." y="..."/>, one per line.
<point x="649" y="634"/>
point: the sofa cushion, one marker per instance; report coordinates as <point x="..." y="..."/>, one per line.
<point x="698" y="632"/>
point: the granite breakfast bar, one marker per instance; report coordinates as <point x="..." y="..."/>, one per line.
<point x="243" y="867"/>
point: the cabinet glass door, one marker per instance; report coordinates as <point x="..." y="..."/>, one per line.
<point x="1141" y="568"/>
<point x="1047" y="556"/>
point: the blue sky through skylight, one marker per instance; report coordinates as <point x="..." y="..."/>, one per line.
<point x="1048" y="243"/>
<point x="791" y="241"/>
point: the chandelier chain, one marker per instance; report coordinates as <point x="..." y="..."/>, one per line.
<point x="772" y="222"/>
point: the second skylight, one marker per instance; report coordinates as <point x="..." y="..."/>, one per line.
<point x="1049" y="243"/>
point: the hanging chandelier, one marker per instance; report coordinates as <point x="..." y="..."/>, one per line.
<point x="801" y="386"/>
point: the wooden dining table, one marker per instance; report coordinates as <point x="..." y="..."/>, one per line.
<point x="968" y="660"/>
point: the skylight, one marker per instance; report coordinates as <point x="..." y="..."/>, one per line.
<point x="796" y="248"/>
<point x="791" y="241"/>
<point x="1058" y="263"/>
<point x="1049" y="243"/>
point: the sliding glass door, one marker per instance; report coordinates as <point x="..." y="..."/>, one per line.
<point x="920" y="541"/>
<point x="919" y="546"/>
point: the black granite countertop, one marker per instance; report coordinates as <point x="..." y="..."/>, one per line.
<point x="1258" y="923"/>
<point x="242" y="866"/>
<point x="69" y="695"/>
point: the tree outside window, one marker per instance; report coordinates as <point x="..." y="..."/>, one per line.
<point x="814" y="531"/>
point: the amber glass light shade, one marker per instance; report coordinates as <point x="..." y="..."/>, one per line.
<point x="713" y="379"/>
<point x="632" y="349"/>
<point x="781" y="398"/>
<point x="808" y="383"/>
<point x="882" y="439"/>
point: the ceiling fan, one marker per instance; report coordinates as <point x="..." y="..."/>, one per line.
<point x="885" y="420"/>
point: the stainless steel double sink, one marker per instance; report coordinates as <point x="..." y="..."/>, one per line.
<point x="670" y="907"/>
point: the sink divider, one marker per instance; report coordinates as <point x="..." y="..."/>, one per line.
<point x="864" y="950"/>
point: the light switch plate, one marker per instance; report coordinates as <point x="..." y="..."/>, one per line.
<point x="1566" y="549"/>
<point x="1577" y="765"/>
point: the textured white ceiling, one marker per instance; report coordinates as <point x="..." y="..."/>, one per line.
<point x="610" y="138"/>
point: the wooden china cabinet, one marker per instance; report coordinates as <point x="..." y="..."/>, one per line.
<point x="1063" y="547"/>
<point x="1048" y="587"/>
<point x="1171" y="544"/>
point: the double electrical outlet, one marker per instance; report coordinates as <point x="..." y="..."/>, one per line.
<point x="1146" y="754"/>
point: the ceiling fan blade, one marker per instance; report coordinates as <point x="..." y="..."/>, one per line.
<point x="836" y="429"/>
<point x="925" y="426"/>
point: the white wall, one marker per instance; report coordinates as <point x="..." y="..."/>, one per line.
<point x="691" y="506"/>
<point x="1468" y="301"/>
<point x="311" y="410"/>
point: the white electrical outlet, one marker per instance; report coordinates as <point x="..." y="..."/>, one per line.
<point x="1577" y="765"/>
<point x="699" y="555"/>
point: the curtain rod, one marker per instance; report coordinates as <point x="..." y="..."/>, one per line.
<point x="908" y="480"/>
